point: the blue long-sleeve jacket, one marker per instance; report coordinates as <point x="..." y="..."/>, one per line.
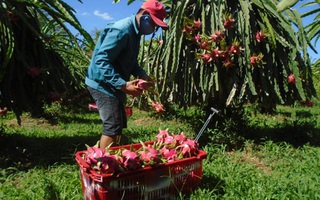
<point x="114" y="58"/>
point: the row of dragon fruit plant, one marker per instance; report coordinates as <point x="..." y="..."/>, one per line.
<point x="226" y="53"/>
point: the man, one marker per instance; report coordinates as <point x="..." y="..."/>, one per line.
<point x="114" y="60"/>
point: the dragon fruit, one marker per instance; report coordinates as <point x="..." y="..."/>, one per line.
<point x="169" y="141"/>
<point x="162" y="135"/>
<point x="261" y="36"/>
<point x="307" y="103"/>
<point x="34" y="72"/>
<point x="197" y="25"/>
<point x="168" y="148"/>
<point x="170" y="155"/>
<point x="215" y="54"/>
<point x="12" y="16"/>
<point x="187" y="29"/>
<point x="189" y="148"/>
<point x="228" y="63"/>
<point x="109" y="164"/>
<point x="143" y="84"/>
<point x="256" y="60"/>
<point x="217" y="36"/>
<point x="149" y="156"/>
<point x="128" y="110"/>
<point x="223" y="55"/>
<point x="158" y="107"/>
<point x="3" y="112"/>
<point x="235" y="48"/>
<point x="229" y="22"/>
<point x="93" y="154"/>
<point x="197" y="38"/>
<point x="205" y="44"/>
<point x="206" y="58"/>
<point x="180" y="138"/>
<point x="131" y="160"/>
<point x="291" y="79"/>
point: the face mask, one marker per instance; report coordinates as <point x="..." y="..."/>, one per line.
<point x="145" y="26"/>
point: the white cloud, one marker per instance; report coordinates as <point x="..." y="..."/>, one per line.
<point x="105" y="16"/>
<point x="84" y="14"/>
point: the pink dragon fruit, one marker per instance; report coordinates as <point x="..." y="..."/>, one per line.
<point x="235" y="48"/>
<point x="180" y="138"/>
<point x="187" y="29"/>
<point x="169" y="141"/>
<point x="131" y="160"/>
<point x="189" y="148"/>
<point x="224" y="55"/>
<point x="228" y="63"/>
<point x="197" y="38"/>
<point x="12" y="16"/>
<point x="162" y="135"/>
<point x="149" y="156"/>
<point x="197" y="25"/>
<point x="256" y="60"/>
<point x="34" y="72"/>
<point x="229" y="22"/>
<point x="170" y="155"/>
<point x="109" y="164"/>
<point x="158" y="107"/>
<point x="205" y="44"/>
<point x="217" y="36"/>
<point x="143" y="84"/>
<point x="169" y="148"/>
<point x="206" y="58"/>
<point x="3" y="112"/>
<point x="128" y="110"/>
<point x="291" y="79"/>
<point x="310" y="103"/>
<point x="261" y="36"/>
<point x="215" y="54"/>
<point x="93" y="154"/>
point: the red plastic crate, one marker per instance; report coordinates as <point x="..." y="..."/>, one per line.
<point x="150" y="183"/>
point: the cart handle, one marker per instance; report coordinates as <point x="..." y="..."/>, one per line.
<point x="214" y="111"/>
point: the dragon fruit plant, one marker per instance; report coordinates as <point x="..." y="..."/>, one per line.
<point x="168" y="147"/>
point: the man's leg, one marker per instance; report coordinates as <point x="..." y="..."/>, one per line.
<point x="113" y="116"/>
<point x="106" y="140"/>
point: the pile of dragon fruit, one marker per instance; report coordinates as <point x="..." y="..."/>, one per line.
<point x="168" y="147"/>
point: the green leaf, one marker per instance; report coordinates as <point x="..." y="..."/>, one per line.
<point x="285" y="4"/>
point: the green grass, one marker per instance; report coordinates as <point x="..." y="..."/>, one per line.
<point x="270" y="172"/>
<point x="273" y="162"/>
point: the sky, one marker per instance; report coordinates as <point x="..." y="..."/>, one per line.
<point x="95" y="14"/>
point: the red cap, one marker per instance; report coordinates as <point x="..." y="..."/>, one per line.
<point x="157" y="12"/>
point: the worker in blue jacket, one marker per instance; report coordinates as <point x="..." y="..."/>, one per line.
<point x="114" y="60"/>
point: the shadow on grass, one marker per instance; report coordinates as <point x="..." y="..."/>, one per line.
<point x="75" y="119"/>
<point x="213" y="183"/>
<point x="23" y="153"/>
<point x="296" y="135"/>
<point x="295" y="128"/>
<point x="209" y="183"/>
<point x="299" y="113"/>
